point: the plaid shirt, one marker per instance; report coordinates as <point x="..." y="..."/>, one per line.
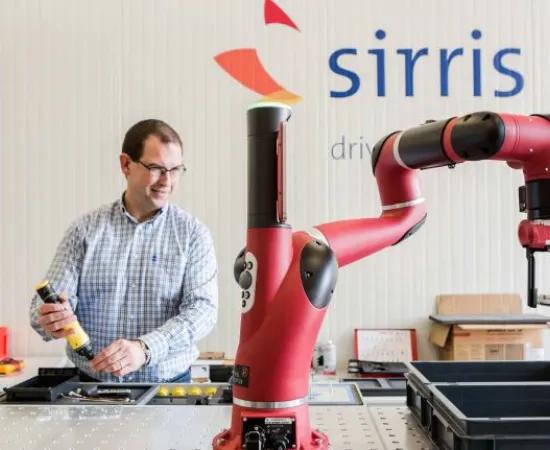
<point x="155" y="280"/>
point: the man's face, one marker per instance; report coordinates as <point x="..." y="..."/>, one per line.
<point x="151" y="187"/>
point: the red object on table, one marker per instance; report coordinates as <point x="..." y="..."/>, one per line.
<point x="3" y="342"/>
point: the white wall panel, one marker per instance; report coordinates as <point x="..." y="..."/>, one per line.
<point x="74" y="75"/>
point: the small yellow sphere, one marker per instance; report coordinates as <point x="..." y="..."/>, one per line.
<point x="163" y="392"/>
<point x="178" y="391"/>
<point x="210" y="391"/>
<point x="195" y="390"/>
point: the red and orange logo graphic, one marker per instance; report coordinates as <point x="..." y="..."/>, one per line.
<point x="244" y="65"/>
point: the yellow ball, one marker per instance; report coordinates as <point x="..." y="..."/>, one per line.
<point x="163" y="392"/>
<point x="178" y="391"/>
<point x="195" y="390"/>
<point x="210" y="391"/>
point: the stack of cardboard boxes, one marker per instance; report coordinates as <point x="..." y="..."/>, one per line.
<point x="486" y="327"/>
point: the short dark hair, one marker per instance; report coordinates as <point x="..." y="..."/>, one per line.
<point x="138" y="134"/>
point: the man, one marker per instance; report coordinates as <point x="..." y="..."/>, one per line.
<point x="140" y="274"/>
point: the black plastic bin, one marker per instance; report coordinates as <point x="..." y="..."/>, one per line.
<point x="423" y="373"/>
<point x="479" y="371"/>
<point x="503" y="416"/>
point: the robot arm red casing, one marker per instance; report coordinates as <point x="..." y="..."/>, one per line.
<point x="288" y="278"/>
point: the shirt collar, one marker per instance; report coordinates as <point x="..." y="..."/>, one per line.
<point x="124" y="211"/>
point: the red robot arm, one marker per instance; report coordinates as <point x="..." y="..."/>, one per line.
<point x="287" y="278"/>
<point x="522" y="141"/>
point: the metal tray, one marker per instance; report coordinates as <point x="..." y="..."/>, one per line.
<point x="222" y="396"/>
<point x="137" y="394"/>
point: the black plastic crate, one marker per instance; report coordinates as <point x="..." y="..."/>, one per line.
<point x="418" y="395"/>
<point x="480" y="416"/>
<point x="423" y="373"/>
<point x="478" y="371"/>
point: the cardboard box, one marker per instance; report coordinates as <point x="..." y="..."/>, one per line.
<point x="486" y="327"/>
<point x="212" y="355"/>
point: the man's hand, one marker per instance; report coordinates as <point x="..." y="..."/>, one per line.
<point x="54" y="317"/>
<point x="119" y="358"/>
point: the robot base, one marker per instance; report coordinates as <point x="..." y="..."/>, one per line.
<point x="270" y="429"/>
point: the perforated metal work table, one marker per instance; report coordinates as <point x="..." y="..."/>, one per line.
<point x="191" y="427"/>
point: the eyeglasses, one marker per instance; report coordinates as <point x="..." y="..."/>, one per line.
<point x="158" y="171"/>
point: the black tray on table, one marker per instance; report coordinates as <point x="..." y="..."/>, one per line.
<point x="380" y="387"/>
<point x="53" y="385"/>
<point x="47" y="386"/>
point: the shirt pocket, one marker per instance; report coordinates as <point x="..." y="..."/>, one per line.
<point x="98" y="281"/>
<point x="167" y="271"/>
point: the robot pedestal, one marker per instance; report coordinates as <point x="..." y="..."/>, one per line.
<point x="270" y="429"/>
